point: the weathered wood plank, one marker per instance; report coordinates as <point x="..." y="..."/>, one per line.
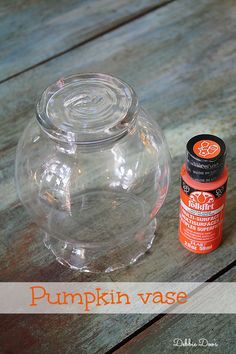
<point x="159" y="337"/>
<point x="181" y="61"/>
<point x="33" y="31"/>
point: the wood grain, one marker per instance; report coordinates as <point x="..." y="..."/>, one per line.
<point x="181" y="61"/>
<point x="158" y="338"/>
<point x="33" y="31"/>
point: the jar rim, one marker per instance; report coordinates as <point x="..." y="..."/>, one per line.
<point x="86" y="109"/>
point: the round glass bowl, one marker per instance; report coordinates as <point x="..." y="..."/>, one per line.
<point x="92" y="169"/>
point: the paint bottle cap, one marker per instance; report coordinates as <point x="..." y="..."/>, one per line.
<point x="205" y="157"/>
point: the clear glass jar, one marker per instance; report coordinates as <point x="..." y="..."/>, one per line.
<point x="92" y="169"/>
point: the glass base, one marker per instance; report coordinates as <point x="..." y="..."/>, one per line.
<point x="97" y="258"/>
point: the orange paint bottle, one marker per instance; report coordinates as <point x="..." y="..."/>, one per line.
<point x="203" y="193"/>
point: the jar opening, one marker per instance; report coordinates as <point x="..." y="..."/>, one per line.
<point x="87" y="109"/>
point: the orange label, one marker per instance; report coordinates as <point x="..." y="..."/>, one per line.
<point x="201" y="218"/>
<point x="206" y="149"/>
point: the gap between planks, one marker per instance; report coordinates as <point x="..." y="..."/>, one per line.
<point x="92" y="38"/>
<point x="160" y="316"/>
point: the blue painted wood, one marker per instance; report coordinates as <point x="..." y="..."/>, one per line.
<point x="33" y="31"/>
<point x="160" y="336"/>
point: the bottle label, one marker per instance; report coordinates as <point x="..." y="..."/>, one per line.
<point x="206" y="149"/>
<point x="201" y="218"/>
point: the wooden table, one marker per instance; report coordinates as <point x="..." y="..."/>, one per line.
<point x="180" y="56"/>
